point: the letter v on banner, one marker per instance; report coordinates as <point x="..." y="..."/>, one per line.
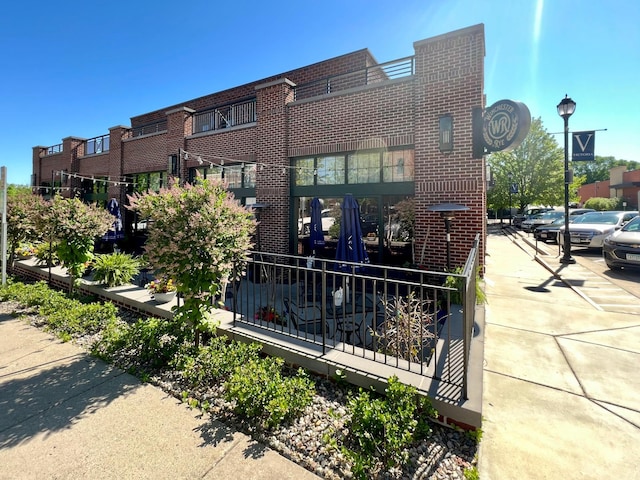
<point x="583" y="146"/>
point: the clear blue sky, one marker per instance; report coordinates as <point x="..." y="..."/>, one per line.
<point x="76" y="68"/>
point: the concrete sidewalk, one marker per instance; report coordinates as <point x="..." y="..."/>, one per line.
<point x="561" y="396"/>
<point x="66" y="415"/>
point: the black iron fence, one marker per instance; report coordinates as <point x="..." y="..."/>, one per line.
<point x="225" y="116"/>
<point x="396" y="316"/>
<point x="97" y="145"/>
<point x="54" y="149"/>
<point x="403" y="67"/>
<point x="148" y="129"/>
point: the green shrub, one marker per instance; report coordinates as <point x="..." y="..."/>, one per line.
<point x="381" y="429"/>
<point x="115" y="268"/>
<point x="47" y="256"/>
<point x="154" y="341"/>
<point x="262" y="394"/>
<point x="76" y="318"/>
<point x="217" y="361"/>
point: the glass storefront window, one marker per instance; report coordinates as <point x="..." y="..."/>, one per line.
<point x="364" y="168"/>
<point x="250" y="176"/>
<point x="233" y="176"/>
<point x="304" y="168"/>
<point x="397" y="166"/>
<point x="331" y="170"/>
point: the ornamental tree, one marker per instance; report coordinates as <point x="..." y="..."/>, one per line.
<point x="197" y="235"/>
<point x="74" y="226"/>
<point x="23" y="208"/>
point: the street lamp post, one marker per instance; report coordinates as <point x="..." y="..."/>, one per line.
<point x="566" y="107"/>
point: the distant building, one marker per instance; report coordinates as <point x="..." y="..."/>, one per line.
<point x="622" y="184"/>
<point x="344" y="125"/>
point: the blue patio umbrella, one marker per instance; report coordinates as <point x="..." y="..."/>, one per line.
<point x="115" y="232"/>
<point x="350" y="244"/>
<point x="316" y="235"/>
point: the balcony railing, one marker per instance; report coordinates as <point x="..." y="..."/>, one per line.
<point x="54" y="149"/>
<point x="395" y="316"/>
<point x="225" y="116"/>
<point x="403" y="67"/>
<point x="150" y="128"/>
<point x="97" y="145"/>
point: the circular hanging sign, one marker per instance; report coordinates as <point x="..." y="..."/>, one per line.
<point x="505" y="124"/>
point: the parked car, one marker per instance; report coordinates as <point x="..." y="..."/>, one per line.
<point x="549" y="217"/>
<point x="304" y="224"/>
<point x="528" y="213"/>
<point x="589" y="230"/>
<point x="531" y="223"/>
<point x="548" y="233"/>
<point x="622" y="248"/>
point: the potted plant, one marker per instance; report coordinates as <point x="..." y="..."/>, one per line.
<point x="115" y="269"/>
<point x="162" y="289"/>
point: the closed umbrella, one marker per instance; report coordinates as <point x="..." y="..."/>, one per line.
<point x="115" y="232"/>
<point x="350" y="247"/>
<point x="316" y="235"/>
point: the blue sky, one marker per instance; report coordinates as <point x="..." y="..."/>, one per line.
<point x="77" y="68"/>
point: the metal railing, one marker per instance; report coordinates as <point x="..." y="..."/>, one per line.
<point x="225" y="116"/>
<point x="403" y="67"/>
<point x="97" y="145"/>
<point x="396" y="316"/>
<point x="148" y="129"/>
<point x="54" y="149"/>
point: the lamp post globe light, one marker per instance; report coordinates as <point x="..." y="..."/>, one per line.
<point x="566" y="107"/>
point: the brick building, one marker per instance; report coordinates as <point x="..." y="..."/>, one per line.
<point x="344" y="125"/>
<point x="622" y="184"/>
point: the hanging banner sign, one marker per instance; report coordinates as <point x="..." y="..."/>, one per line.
<point x="583" y="146"/>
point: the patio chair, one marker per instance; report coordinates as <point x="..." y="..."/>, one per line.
<point x="306" y="319"/>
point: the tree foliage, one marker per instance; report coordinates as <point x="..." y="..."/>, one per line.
<point x="23" y="208"/>
<point x="598" y="170"/>
<point x="196" y="235"/>
<point x="536" y="167"/>
<point x="73" y="226"/>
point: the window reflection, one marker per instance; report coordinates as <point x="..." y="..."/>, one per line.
<point x="397" y="166"/>
<point x="364" y="168"/>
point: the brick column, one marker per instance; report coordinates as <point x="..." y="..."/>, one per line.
<point x="72" y="149"/>
<point x="116" y="161"/>
<point x="449" y="79"/>
<point x="272" y="182"/>
<point x="179" y="126"/>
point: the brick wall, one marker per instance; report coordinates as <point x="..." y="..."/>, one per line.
<point x="449" y="80"/>
<point x="403" y="112"/>
<point x="334" y="66"/>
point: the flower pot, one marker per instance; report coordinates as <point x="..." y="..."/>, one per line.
<point x="164" y="297"/>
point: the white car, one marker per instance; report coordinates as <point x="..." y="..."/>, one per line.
<point x="590" y="229"/>
<point x="304" y="224"/>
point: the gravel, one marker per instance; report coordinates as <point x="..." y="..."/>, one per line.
<point x="446" y="454"/>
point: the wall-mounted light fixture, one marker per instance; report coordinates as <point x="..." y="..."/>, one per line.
<point x="445" y="135"/>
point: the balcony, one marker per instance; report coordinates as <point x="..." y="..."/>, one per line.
<point x="52" y="150"/>
<point x="150" y="128"/>
<point x="403" y="67"/>
<point x="225" y="117"/>
<point x="97" y="145"/>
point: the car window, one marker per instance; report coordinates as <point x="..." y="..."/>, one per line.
<point x="598" y="217"/>
<point x="632" y="226"/>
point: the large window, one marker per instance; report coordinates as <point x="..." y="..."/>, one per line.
<point x="364" y="168"/>
<point x="397" y="166"/>
<point x="355" y="168"/>
<point x="150" y="181"/>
